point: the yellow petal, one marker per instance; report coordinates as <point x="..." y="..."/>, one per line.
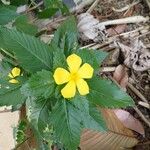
<point x="86" y="71"/>
<point x="74" y="62"/>
<point x="69" y="90"/>
<point x="61" y="76"/>
<point x="82" y="86"/>
<point x="15" y="72"/>
<point x="13" y="81"/>
<point x="10" y="75"/>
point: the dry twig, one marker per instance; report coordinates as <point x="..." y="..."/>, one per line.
<point x="135" y="108"/>
<point x="144" y="104"/>
<point x="53" y="23"/>
<point x="81" y="6"/>
<point x="133" y="19"/>
<point x="93" y="6"/>
<point x="148" y="3"/>
<point x="108" y="69"/>
<point x="88" y="46"/>
<point x="34" y="7"/>
<point x="146" y="33"/>
<point x="138" y="93"/>
<point x="126" y="7"/>
<point x="131" y="34"/>
<point x="142" y="116"/>
<point x="5" y="111"/>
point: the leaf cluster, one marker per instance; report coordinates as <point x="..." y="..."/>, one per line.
<point x="8" y="13"/>
<point x="52" y="7"/>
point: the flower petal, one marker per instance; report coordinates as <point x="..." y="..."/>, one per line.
<point x="86" y="71"/>
<point x="15" y="72"/>
<point x="10" y="75"/>
<point x="13" y="81"/>
<point x="69" y="90"/>
<point x="74" y="62"/>
<point x="82" y="86"/>
<point x="61" y="76"/>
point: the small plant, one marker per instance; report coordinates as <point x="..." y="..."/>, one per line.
<point x="58" y="84"/>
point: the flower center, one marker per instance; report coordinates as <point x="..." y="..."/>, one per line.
<point x="74" y="76"/>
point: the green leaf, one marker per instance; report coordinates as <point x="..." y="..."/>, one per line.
<point x="90" y="116"/>
<point x="106" y="94"/>
<point x="56" y="4"/>
<point x="59" y="59"/>
<point x="5" y="68"/>
<point x="22" y="24"/>
<point x="47" y="13"/>
<point x="74" y="115"/>
<point x="7" y="14"/>
<point x="66" y="36"/>
<point x="64" y="9"/>
<point x="37" y="111"/>
<point x="40" y="84"/>
<point x="10" y="94"/>
<point x="47" y="3"/>
<point x="99" y="55"/>
<point x="32" y="54"/>
<point x="18" y="2"/>
<point x="20" y="131"/>
<point x="93" y="57"/>
<point x="97" y="117"/>
<point x="66" y="122"/>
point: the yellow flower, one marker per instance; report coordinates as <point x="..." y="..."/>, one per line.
<point x="15" y="72"/>
<point x="75" y="77"/>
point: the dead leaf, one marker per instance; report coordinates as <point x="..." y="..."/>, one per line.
<point x="117" y="137"/>
<point x="112" y="58"/>
<point x="46" y="38"/>
<point x="121" y="76"/>
<point x="117" y="30"/>
<point x="86" y="23"/>
<point x="129" y="121"/>
<point x="129" y="12"/>
<point x="88" y="30"/>
<point x="136" y="55"/>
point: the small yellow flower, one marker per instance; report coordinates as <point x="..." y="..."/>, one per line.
<point x="15" y="72"/>
<point x="75" y="77"/>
